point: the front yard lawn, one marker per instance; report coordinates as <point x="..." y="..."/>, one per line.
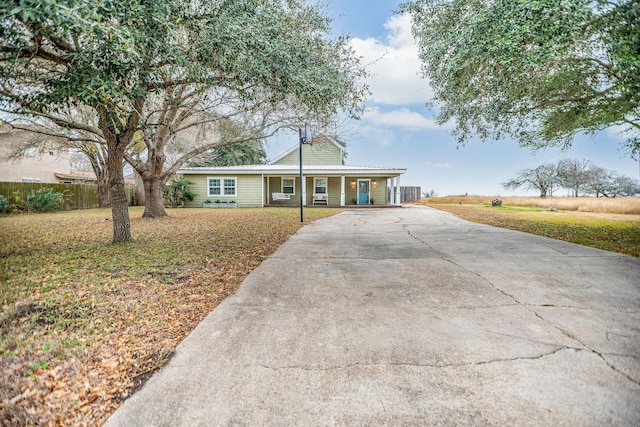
<point x="84" y="322"/>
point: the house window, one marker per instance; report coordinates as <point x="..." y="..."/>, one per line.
<point x="288" y="186"/>
<point x="30" y="179"/>
<point x="218" y="186"/>
<point x="319" y="185"/>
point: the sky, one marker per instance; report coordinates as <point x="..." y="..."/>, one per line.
<point x="398" y="130"/>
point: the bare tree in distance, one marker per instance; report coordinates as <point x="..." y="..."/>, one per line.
<point x="580" y="177"/>
<point x="541" y="178"/>
<point x="575" y="174"/>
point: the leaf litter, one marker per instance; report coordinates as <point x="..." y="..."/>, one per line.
<point x="85" y="322"/>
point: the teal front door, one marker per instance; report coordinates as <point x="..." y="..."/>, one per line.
<point x="363" y="192"/>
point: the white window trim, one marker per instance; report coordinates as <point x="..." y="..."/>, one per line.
<point x="326" y="180"/>
<point x="222" y="178"/>
<point x="282" y="185"/>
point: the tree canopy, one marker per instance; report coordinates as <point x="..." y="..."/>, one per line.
<point x="151" y="70"/>
<point x="538" y="72"/>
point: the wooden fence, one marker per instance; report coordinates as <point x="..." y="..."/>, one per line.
<point x="77" y="196"/>
<point x="407" y="194"/>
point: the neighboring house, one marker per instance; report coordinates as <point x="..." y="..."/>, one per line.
<point x="36" y="165"/>
<point x="49" y="165"/>
<point x="327" y="181"/>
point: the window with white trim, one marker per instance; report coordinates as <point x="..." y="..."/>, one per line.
<point x="319" y="185"/>
<point x="221" y="186"/>
<point x="289" y="185"/>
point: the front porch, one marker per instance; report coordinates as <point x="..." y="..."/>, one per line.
<point x="331" y="191"/>
<point x="337" y="206"/>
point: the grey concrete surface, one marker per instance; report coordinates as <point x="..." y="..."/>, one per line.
<point x="411" y="317"/>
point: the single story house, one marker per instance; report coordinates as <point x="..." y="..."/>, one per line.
<point x="326" y="180"/>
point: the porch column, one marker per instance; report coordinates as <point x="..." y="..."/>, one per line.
<point x="303" y="190"/>
<point x="262" y="186"/>
<point x="342" y="191"/>
<point x="398" y="201"/>
<point x="392" y="190"/>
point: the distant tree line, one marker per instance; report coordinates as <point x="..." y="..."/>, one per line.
<point x="579" y="177"/>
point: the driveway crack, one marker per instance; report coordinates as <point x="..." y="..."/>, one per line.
<point x="548" y="322"/>
<point x="417" y="365"/>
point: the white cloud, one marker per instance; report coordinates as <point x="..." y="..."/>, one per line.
<point x="402" y="118"/>
<point x="394" y="65"/>
<point x="438" y="165"/>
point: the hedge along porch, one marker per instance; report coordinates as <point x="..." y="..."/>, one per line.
<point x="327" y="181"/>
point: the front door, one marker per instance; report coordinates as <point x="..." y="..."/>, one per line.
<point x="363" y="191"/>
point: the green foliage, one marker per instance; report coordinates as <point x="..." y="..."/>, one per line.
<point x="45" y="200"/>
<point x="539" y="72"/>
<point x="18" y="202"/>
<point x="177" y="191"/>
<point x="249" y="152"/>
<point x="147" y="71"/>
<point x="4" y="204"/>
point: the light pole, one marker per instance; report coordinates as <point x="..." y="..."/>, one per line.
<point x="305" y="138"/>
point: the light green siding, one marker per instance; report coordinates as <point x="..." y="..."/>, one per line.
<point x="326" y="153"/>
<point x="334" y="190"/>
<point x="377" y="190"/>
<point x="248" y="190"/>
<point x="351" y="190"/>
<point x="275" y="186"/>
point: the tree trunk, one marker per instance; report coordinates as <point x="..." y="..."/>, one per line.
<point x="104" y="201"/>
<point x="118" y="196"/>
<point x="138" y="188"/>
<point x="153" y="199"/>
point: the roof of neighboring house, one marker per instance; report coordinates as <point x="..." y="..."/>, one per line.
<point x="293" y="169"/>
<point x="77" y="175"/>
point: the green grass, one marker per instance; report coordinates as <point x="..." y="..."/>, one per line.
<point x="516" y="208"/>
<point x="611" y="232"/>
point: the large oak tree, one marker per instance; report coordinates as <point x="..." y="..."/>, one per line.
<point x="153" y="69"/>
<point x="536" y="71"/>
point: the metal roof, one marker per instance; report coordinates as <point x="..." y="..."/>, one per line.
<point x="292" y="170"/>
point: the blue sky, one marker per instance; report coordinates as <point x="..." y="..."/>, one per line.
<point x="399" y="131"/>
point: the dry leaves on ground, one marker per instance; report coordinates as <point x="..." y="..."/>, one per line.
<point x="84" y="322"/>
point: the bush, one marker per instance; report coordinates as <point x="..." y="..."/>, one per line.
<point x="45" y="200"/>
<point x="178" y="191"/>
<point x="4" y="204"/>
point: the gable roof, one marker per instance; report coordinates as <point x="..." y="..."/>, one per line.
<point x="317" y="140"/>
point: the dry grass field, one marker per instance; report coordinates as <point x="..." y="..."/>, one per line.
<point x="616" y="205"/>
<point x="610" y="224"/>
<point x="83" y="321"/>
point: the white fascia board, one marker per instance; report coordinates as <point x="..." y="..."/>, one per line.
<point x="330" y="170"/>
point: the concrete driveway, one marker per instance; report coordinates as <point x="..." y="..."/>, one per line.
<point x="411" y="317"/>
